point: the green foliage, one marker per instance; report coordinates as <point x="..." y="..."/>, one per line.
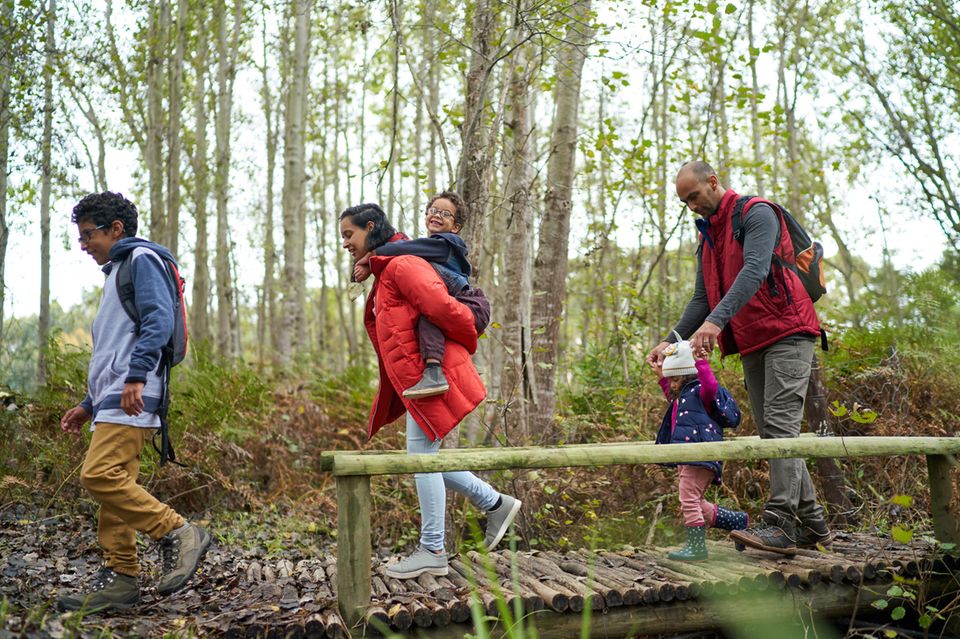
<point x="604" y="390"/>
<point x="214" y="396"/>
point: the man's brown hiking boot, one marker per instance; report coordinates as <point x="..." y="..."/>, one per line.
<point x="814" y="534"/>
<point x="110" y="591"/>
<point x="181" y="551"/>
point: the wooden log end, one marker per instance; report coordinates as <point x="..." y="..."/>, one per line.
<point x="576" y="603"/>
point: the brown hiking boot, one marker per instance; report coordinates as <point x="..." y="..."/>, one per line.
<point x="181" y="553"/>
<point x="814" y="534"/>
<point x="110" y="591"/>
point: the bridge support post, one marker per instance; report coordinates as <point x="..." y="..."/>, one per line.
<point x="353" y="547"/>
<point x="946" y="524"/>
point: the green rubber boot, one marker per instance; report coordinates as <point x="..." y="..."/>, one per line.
<point x="695" y="549"/>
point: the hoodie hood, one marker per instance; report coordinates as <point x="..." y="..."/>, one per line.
<point x="124" y="246"/>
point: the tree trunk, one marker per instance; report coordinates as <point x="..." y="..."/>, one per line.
<point x="754" y="52"/>
<point x="828" y="468"/>
<point x="228" y="338"/>
<point x="172" y="239"/>
<point x="6" y="14"/>
<point x="294" y="178"/>
<point x="550" y="267"/>
<point x="473" y="173"/>
<point x="200" y="308"/>
<point x="394" y="156"/>
<point x="268" y="320"/>
<point x="43" y="322"/>
<point x="159" y="23"/>
<point x="514" y="385"/>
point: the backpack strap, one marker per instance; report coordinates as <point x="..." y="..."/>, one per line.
<point x="126" y="290"/>
<point x="743" y="203"/>
<point x="127" y="293"/>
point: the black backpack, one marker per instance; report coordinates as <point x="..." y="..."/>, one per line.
<point x="807" y="253"/>
<point x="175" y="349"/>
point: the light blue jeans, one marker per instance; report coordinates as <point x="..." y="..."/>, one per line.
<point x="432" y="489"/>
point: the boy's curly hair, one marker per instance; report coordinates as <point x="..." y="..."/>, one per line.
<point x="104" y="208"/>
<point x="460" y="207"/>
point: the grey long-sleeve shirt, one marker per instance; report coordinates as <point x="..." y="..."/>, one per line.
<point x="761" y="227"/>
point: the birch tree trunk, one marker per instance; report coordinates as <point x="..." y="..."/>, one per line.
<point x="268" y="321"/>
<point x="294" y="178"/>
<point x="515" y="391"/>
<point x="6" y="14"/>
<point x="473" y="173"/>
<point x="550" y="266"/>
<point x="43" y="323"/>
<point x="753" y="53"/>
<point x="172" y="239"/>
<point x="228" y="338"/>
<point x="200" y="309"/>
<point x="159" y="23"/>
<point x="393" y="158"/>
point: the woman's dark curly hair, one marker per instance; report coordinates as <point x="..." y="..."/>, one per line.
<point x="103" y="208"/>
<point x="361" y="214"/>
<point x="460" y="207"/>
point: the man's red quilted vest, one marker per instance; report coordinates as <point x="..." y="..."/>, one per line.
<point x="770" y="315"/>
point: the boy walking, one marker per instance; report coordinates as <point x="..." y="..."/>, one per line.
<point x="125" y="391"/>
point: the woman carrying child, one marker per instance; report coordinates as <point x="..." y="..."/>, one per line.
<point x="407" y="287"/>
<point x="695" y="415"/>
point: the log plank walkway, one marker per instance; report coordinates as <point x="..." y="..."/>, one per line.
<point x="631" y="591"/>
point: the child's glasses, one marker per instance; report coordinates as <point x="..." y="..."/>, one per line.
<point x="435" y="211"/>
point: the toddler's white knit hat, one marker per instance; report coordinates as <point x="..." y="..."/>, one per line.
<point x="679" y="359"/>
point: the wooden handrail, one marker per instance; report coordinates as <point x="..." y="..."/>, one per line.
<point x="353" y="471"/>
<point x="345" y="464"/>
<point x="327" y="456"/>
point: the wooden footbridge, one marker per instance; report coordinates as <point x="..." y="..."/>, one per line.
<point x="637" y="591"/>
<point x="633" y="591"/>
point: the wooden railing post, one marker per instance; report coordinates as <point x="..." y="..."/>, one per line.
<point x="946" y="525"/>
<point x="353" y="547"/>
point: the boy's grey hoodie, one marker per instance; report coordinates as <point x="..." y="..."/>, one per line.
<point x="122" y="355"/>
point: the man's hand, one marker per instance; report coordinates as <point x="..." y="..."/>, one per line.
<point x="131" y="401"/>
<point x="655" y="358"/>
<point x="361" y="269"/>
<point x="74" y="419"/>
<point x="706" y="337"/>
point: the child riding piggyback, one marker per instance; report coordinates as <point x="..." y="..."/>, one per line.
<point x="447" y="253"/>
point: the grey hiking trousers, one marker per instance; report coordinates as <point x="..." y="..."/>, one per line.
<point x="776" y="379"/>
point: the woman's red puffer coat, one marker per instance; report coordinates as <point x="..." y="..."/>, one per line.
<point x="405" y="288"/>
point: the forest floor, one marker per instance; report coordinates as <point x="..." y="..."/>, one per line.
<point x="40" y="559"/>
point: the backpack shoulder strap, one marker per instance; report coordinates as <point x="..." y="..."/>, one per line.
<point x="126" y="290"/>
<point x="740" y="207"/>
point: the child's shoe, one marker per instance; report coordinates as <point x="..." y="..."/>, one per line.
<point x="696" y="547"/>
<point x="726" y="519"/>
<point x="432" y="383"/>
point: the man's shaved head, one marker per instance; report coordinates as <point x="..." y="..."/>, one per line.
<point x="700" y="169"/>
<point x="699" y="187"/>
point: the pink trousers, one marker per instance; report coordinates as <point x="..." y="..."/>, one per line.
<point x="694" y="481"/>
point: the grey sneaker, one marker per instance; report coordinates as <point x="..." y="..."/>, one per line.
<point x="433" y="382"/>
<point x="181" y="554"/>
<point x="767" y="537"/>
<point x="419" y="562"/>
<point x="499" y="520"/>
<point x="110" y="591"/>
